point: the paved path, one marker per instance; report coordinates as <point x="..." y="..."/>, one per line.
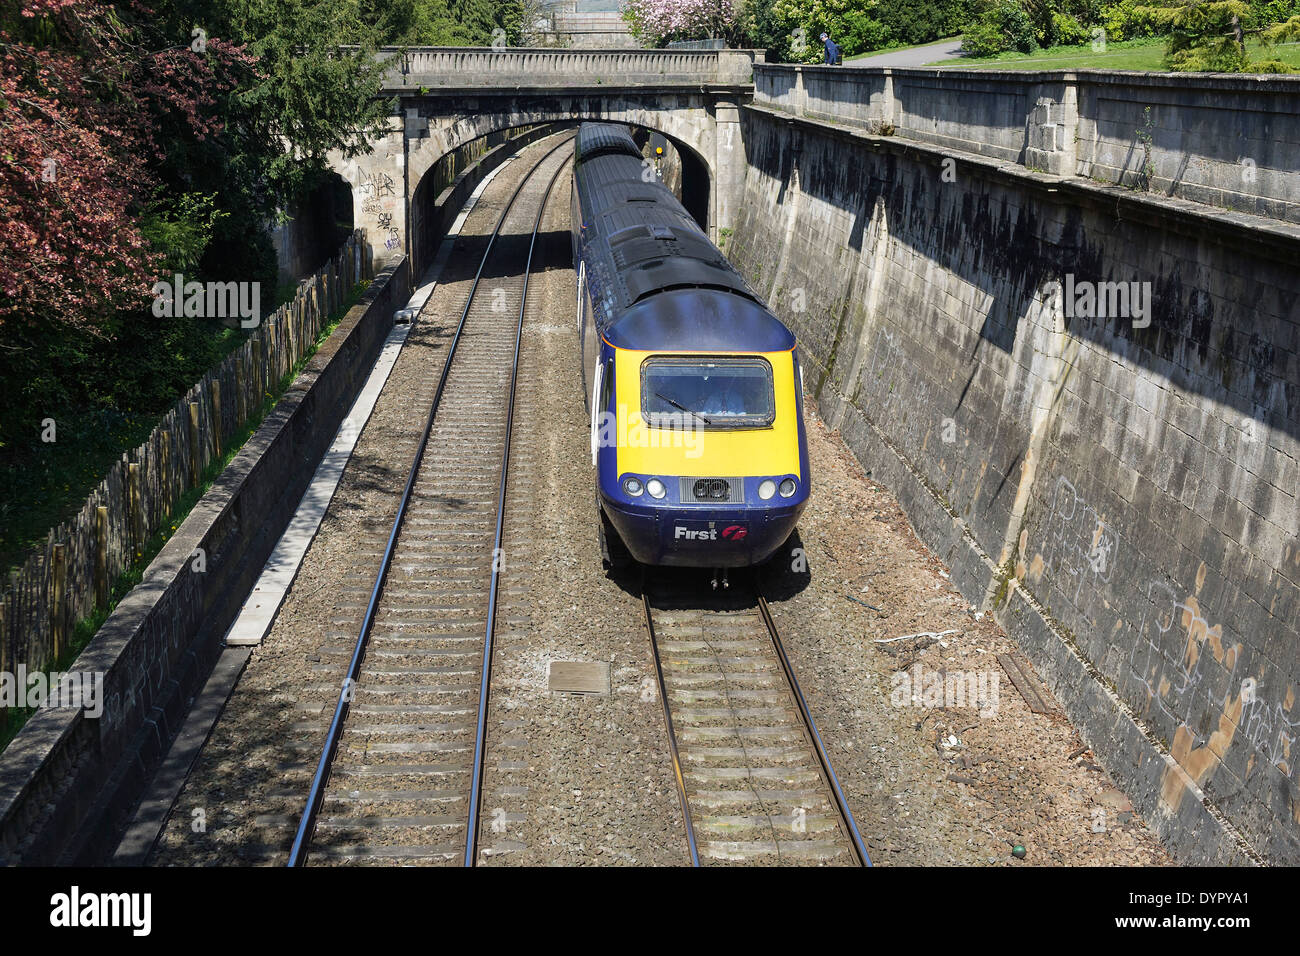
<point x="917" y="56"/>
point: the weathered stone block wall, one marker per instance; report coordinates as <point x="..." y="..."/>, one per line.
<point x="69" y="782"/>
<point x="437" y="201"/>
<point x="1232" y="141"/>
<point x="1229" y="141"/>
<point x="1123" y="493"/>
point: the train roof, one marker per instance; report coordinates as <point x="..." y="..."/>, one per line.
<point x="699" y="320"/>
<point x="645" y="237"/>
<point x="600" y="139"/>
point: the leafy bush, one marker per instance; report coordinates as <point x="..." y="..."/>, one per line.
<point x="1130" y="20"/>
<point x="806" y="21"/>
<point x="920" y="21"/>
<point x="1062" y="22"/>
<point x="1005" y="26"/>
<point x="788" y="29"/>
<point x="1277" y="11"/>
<point x="1069" y="31"/>
<point x="864" y="34"/>
<point x="982" y="38"/>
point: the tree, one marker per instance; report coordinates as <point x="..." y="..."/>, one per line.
<point x="136" y="141"/>
<point x="657" y="22"/>
<point x="476" y="19"/>
<point x="89" y="113"/>
<point x="771" y="26"/>
<point x="1004" y="26"/>
<point x="1211" y="35"/>
<point x="411" y="22"/>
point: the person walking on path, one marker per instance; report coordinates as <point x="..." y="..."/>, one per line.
<point x="832" y="51"/>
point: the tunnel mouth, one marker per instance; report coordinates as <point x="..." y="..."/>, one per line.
<point x="685" y="173"/>
<point x="428" y="223"/>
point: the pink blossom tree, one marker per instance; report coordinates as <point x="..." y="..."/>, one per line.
<point x="657" y="22"/>
<point x="82" y="111"/>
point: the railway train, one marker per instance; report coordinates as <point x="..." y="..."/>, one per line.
<point x="693" y="386"/>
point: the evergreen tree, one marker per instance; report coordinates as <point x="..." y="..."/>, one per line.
<point x="1211" y="35"/>
<point x="475" y="20"/>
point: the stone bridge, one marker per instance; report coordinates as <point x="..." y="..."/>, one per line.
<point x="447" y="97"/>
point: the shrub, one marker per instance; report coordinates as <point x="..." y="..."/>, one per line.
<point x="1069" y="31"/>
<point x="788" y="29"/>
<point x="864" y="34"/>
<point x="982" y="39"/>
<point x="1005" y="26"/>
<point x="920" y="21"/>
<point x="1130" y="20"/>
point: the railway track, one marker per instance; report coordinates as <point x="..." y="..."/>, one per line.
<point x="399" y="779"/>
<point x="753" y="777"/>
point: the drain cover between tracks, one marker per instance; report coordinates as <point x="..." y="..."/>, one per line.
<point x="578" y="677"/>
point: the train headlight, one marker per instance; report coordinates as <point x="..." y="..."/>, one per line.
<point x="633" y="487"/>
<point x="766" y="488"/>
<point x="656" y="488"/>
<point x="787" y="487"/>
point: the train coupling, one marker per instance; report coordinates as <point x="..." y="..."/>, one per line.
<point x="725" y="583"/>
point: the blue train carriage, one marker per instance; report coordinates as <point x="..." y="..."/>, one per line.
<point x="693" y="386"/>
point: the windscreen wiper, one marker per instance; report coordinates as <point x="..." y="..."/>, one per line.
<point x="688" y="411"/>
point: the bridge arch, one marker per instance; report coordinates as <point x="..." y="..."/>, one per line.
<point x="697" y="172"/>
<point x="687" y="125"/>
<point x="429" y="125"/>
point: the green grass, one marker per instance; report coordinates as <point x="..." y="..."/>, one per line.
<point x="86" y="628"/>
<point x="1145" y="55"/>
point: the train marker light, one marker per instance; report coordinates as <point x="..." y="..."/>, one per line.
<point x="766" y="489"/>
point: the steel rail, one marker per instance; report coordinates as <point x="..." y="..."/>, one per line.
<point x="480" y="735"/>
<point x="307" y="822"/>
<point x="672" y="734"/>
<point x="841" y="805"/>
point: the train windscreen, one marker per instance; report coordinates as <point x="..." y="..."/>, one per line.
<point x="707" y="392"/>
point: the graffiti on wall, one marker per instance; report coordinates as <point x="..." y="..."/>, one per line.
<point x="1178" y="655"/>
<point x="1079" y="547"/>
<point x="374" y="187"/>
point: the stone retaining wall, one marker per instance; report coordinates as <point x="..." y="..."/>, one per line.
<point x="1121" y="488"/>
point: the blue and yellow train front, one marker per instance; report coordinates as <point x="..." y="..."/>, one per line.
<point x="701" y="456"/>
